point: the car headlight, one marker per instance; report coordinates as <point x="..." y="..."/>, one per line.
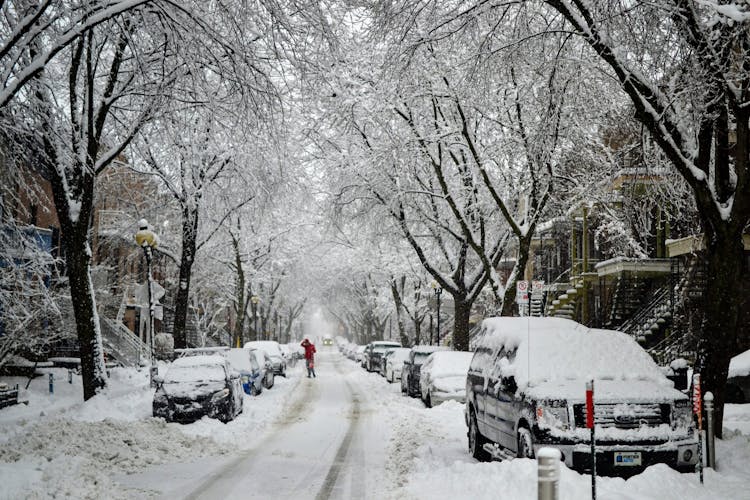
<point x="553" y="414"/>
<point x="219" y="395"/>
<point x="682" y="416"/>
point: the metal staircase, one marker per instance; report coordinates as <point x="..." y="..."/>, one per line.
<point x="123" y="345"/>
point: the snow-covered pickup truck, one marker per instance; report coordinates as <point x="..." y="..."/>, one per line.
<point x="526" y="389"/>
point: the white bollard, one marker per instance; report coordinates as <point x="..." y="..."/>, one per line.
<point x="548" y="473"/>
<point x="708" y="398"/>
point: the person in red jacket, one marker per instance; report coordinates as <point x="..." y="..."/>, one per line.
<point x="309" y="357"/>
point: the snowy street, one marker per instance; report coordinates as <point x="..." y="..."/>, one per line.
<point x="345" y="434"/>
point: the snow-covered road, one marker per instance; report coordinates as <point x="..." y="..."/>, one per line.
<point x="319" y="448"/>
<point x="346" y="434"/>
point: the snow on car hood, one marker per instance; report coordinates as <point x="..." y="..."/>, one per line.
<point x="451" y="384"/>
<point x="605" y="391"/>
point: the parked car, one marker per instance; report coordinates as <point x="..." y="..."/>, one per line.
<point x="526" y="389"/>
<point x="738" y="383"/>
<point x="267" y="375"/>
<point x="373" y="355"/>
<point x="359" y="355"/>
<point x="443" y="377"/>
<point x="272" y="348"/>
<point x="245" y="362"/>
<point x="198" y="386"/>
<point x="412" y="366"/>
<point x="394" y="363"/>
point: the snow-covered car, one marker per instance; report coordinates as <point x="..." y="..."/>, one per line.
<point x="526" y="389"/>
<point x="443" y="377"/>
<point x="359" y="353"/>
<point x="272" y="348"/>
<point x="738" y="383"/>
<point x="267" y="376"/>
<point x="198" y="386"/>
<point x="245" y="362"/>
<point x="394" y="363"/>
<point x="373" y="354"/>
<point x="412" y="366"/>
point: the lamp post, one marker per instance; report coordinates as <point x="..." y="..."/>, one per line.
<point x="255" y="299"/>
<point x="438" y="291"/>
<point x="147" y="240"/>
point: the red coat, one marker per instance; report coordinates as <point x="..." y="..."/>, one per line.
<point x="309" y="349"/>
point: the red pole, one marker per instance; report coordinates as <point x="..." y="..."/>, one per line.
<point x="590" y="425"/>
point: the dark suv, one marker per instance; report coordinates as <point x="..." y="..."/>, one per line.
<point x="373" y="355"/>
<point x="526" y="389"/>
<point x="412" y="367"/>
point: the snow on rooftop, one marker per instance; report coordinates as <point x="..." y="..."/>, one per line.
<point x="428" y="348"/>
<point x="557" y="349"/>
<point x="739" y="366"/>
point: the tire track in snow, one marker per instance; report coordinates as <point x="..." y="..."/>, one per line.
<point x="291" y="416"/>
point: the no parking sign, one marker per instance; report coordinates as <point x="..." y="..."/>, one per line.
<point x="522" y="292"/>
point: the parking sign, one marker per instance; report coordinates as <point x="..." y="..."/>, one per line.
<point x="522" y="292"/>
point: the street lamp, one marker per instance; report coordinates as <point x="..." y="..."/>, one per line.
<point x="147" y="240"/>
<point x="438" y="291"/>
<point x="255" y="299"/>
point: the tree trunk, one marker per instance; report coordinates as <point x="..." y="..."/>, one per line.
<point x="239" y="305"/>
<point x="189" y="229"/>
<point x="417" y="332"/>
<point x="723" y="302"/>
<point x="399" y="310"/>
<point x="509" y="297"/>
<point x="461" y="324"/>
<point x="78" y="257"/>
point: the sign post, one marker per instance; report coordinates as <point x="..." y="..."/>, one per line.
<point x="698" y="410"/>
<point x="590" y="425"/>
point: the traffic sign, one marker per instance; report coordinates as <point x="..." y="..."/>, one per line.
<point x="537" y="288"/>
<point x="522" y="292"/>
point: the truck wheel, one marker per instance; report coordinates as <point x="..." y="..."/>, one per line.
<point x="476" y="440"/>
<point x="525" y="443"/>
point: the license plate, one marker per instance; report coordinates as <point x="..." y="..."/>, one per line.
<point x="627" y="458"/>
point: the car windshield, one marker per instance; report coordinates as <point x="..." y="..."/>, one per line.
<point x="199" y="373"/>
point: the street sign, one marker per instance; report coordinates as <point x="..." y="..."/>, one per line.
<point x="537" y="288"/>
<point x="522" y="292"/>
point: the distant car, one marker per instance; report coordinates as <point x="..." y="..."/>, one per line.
<point x="443" y="377"/>
<point x="327" y="340"/>
<point x="526" y="390"/>
<point x="738" y="383"/>
<point x="412" y="366"/>
<point x="267" y="376"/>
<point x="373" y="355"/>
<point x="245" y="362"/>
<point x="273" y="350"/>
<point x="198" y="386"/>
<point x="394" y="363"/>
<point x="359" y="355"/>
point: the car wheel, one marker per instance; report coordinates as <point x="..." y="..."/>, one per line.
<point x="428" y="400"/>
<point x="525" y="444"/>
<point x="403" y="388"/>
<point x="476" y="440"/>
<point x="389" y="378"/>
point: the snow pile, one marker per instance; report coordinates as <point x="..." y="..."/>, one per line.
<point x="269" y="346"/>
<point x="739" y="366"/>
<point x="557" y="349"/>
